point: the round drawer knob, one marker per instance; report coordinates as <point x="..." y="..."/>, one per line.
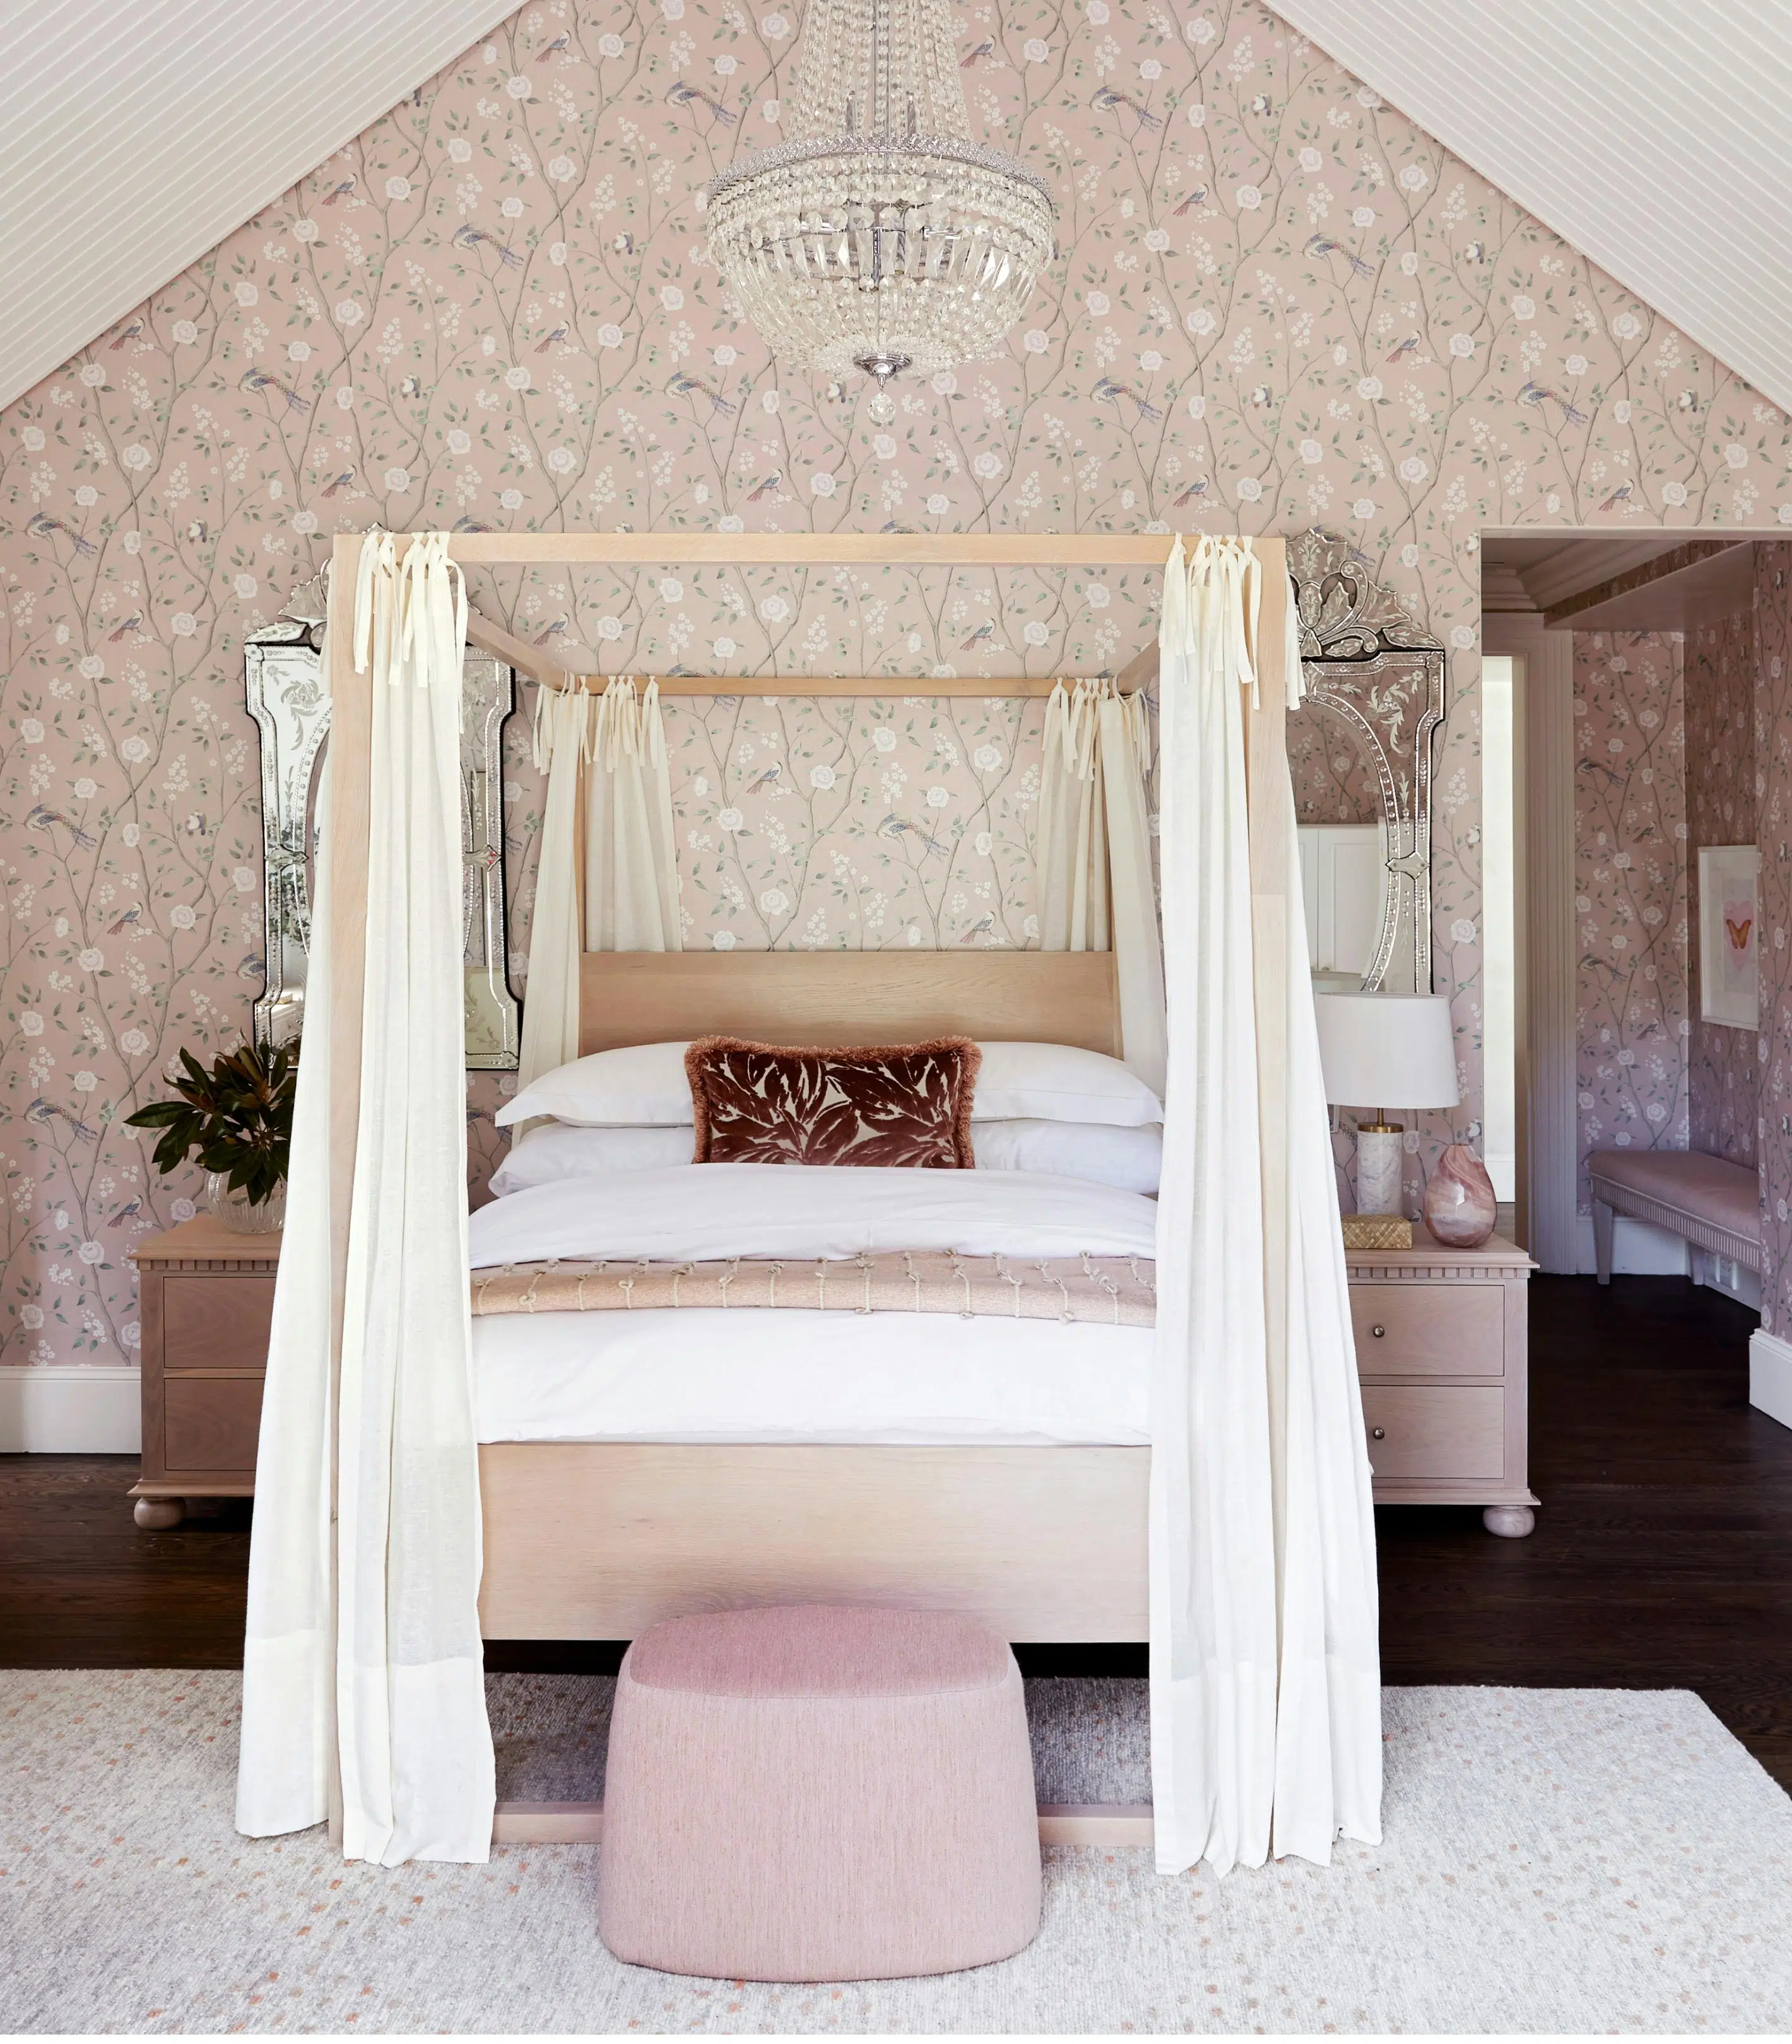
<point x="1377" y="1433"/>
<point x="1378" y="1331"/>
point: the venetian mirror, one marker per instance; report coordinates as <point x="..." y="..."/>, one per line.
<point x="1360" y="752"/>
<point x="284" y="676"/>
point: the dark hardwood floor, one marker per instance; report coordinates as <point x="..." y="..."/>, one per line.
<point x="1663" y="1556"/>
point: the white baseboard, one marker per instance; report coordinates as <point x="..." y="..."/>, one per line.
<point x="1638" y="1249"/>
<point x="1770" y="1375"/>
<point x="55" y="1411"/>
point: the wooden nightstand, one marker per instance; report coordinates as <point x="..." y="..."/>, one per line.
<point x="1441" y="1351"/>
<point x="207" y="1302"/>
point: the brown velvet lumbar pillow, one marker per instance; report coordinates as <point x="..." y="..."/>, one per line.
<point x="903" y="1104"/>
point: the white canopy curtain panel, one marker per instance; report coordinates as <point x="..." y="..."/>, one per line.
<point x="1266" y="1694"/>
<point x="1096" y="892"/>
<point x="363" y="1657"/>
<point x="608" y="788"/>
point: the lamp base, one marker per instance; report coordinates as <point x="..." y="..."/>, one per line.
<point x="1380" y="1156"/>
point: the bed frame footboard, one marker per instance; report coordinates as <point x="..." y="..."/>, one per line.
<point x="588" y="1541"/>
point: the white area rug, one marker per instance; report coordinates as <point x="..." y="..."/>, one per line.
<point x="1555" y="1860"/>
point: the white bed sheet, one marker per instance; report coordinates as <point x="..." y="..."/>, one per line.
<point x="765" y="1374"/>
<point x="710" y="1210"/>
<point x="775" y="1375"/>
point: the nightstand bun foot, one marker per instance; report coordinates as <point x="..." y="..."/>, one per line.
<point x="1510" y="1522"/>
<point x="156" y="1515"/>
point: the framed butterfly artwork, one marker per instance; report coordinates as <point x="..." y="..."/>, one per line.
<point x="1728" y="967"/>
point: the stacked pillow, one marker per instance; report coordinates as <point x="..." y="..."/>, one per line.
<point x="1037" y="1107"/>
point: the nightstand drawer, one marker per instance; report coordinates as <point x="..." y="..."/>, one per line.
<point x="211" y="1424"/>
<point x="1441" y="1433"/>
<point x="1453" y="1330"/>
<point x="215" y="1322"/>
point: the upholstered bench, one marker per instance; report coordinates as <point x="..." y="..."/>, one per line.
<point x="1712" y="1205"/>
<point x="814" y="1793"/>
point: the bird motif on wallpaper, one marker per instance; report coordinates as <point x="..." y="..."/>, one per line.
<point x="42" y="819"/>
<point x="412" y="386"/>
<point x="1107" y="392"/>
<point x="560" y="46"/>
<point x="1198" y="488"/>
<point x="131" y="1210"/>
<point x="1322" y="245"/>
<point x="463" y="523"/>
<point x="765" y="488"/>
<point x="338" y="483"/>
<point x="125" y="334"/>
<point x="549" y="340"/>
<point x="252" y="965"/>
<point x="894" y="826"/>
<point x="553" y="631"/>
<point x="129" y="920"/>
<point x="257" y="382"/>
<point x="764" y="782"/>
<point x="980" y="928"/>
<point x="1107" y="99"/>
<point x="684" y="385"/>
<point x="44" y="1111"/>
<point x="1537" y="395"/>
<point x="340" y="191"/>
<point x="682" y="95"/>
<point x="476" y="238"/>
<point x="46" y="527"/>
<point x="1403" y="348"/>
<point x="120" y="631"/>
<point x="1197" y="197"/>
<point x="624" y="244"/>
<point x="1621" y="495"/>
<point x="983" y="53"/>
<point x="980" y="637"/>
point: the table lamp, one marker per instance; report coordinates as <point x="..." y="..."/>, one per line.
<point x="1382" y="1048"/>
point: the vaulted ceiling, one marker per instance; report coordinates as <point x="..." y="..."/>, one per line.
<point x="1651" y="134"/>
<point x="137" y="134"/>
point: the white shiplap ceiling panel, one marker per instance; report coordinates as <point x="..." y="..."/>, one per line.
<point x="135" y="135"/>
<point x="1652" y="135"/>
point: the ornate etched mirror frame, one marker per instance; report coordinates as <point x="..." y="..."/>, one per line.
<point x="1370" y="666"/>
<point x="283" y="667"/>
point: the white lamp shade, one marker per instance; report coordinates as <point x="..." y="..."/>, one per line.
<point x="1387" y="1050"/>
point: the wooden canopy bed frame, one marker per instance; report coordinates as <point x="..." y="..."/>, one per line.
<point x="599" y="1541"/>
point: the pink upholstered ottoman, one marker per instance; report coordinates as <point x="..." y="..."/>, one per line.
<point x="814" y="1793"/>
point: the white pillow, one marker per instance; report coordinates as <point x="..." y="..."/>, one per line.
<point x="1126" y="1157"/>
<point x="1054" y="1082"/>
<point x="643" y="1086"/>
<point x="1130" y="1158"/>
<point x="564" y="1150"/>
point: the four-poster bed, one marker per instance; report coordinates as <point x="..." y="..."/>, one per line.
<point x="588" y="1541"/>
<point x="1240" y="1540"/>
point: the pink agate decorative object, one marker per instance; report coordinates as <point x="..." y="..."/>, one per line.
<point x="1458" y="1199"/>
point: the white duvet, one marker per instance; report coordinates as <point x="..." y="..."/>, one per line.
<point x="689" y="1211"/>
<point x="768" y="1376"/>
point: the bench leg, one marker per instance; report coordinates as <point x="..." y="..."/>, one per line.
<point x="1602" y="1241"/>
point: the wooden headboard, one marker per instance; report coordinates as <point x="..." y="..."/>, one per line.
<point x="835" y="997"/>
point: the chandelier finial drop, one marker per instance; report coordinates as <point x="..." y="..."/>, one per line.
<point x="879" y="236"/>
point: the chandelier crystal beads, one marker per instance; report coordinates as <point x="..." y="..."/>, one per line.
<point x="879" y="236"/>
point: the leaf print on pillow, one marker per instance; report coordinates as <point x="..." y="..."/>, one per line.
<point x="905" y="1105"/>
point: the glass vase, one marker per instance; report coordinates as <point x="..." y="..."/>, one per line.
<point x="238" y="1211"/>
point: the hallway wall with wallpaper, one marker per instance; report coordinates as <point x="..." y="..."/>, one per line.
<point x="1277" y="303"/>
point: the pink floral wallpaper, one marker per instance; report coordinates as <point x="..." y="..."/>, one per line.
<point x="1773" y="763"/>
<point x="1277" y="303"/>
<point x="1723" y="1067"/>
<point x="1630" y="901"/>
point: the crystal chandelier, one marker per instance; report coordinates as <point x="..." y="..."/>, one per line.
<point x="879" y="236"/>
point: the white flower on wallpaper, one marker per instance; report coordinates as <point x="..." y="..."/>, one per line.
<point x="1276" y="305"/>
